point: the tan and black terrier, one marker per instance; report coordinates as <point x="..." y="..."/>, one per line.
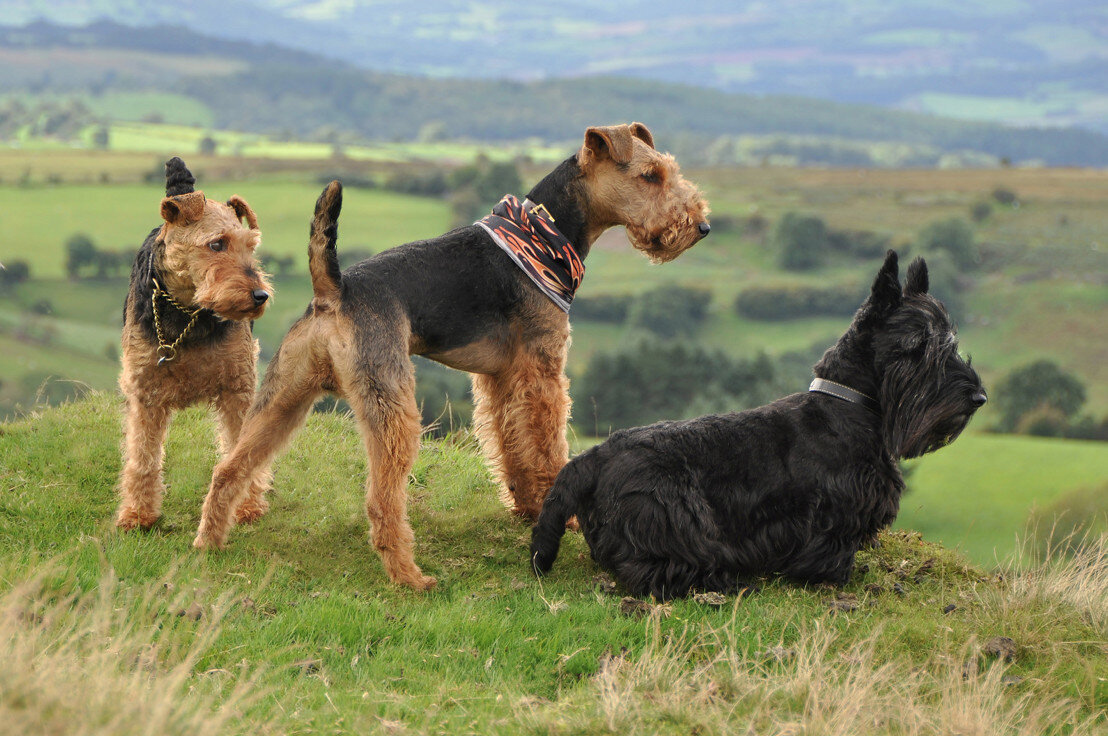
<point x="490" y="299"/>
<point x="195" y="288"/>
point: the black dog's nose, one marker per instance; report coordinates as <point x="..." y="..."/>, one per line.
<point x="704" y="228"/>
<point x="979" y="399"/>
<point x="260" y="295"/>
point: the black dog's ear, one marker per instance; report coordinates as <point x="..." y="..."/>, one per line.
<point x="917" y="282"/>
<point x="885" y="295"/>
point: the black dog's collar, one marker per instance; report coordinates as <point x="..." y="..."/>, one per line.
<point x="839" y="391"/>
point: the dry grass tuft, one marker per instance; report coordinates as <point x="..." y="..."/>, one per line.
<point x="80" y="663"/>
<point x="823" y="683"/>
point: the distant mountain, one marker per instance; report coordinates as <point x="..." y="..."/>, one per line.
<point x="1021" y="63"/>
<point x="265" y="88"/>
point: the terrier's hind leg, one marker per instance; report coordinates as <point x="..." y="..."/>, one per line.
<point x="291" y="385"/>
<point x="389" y="421"/>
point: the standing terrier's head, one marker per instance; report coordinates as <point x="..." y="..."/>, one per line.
<point x="631" y="184"/>
<point x="207" y="260"/>
<point x="903" y="347"/>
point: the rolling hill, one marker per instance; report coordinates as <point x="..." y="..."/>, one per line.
<point x="192" y="78"/>
<point x="1020" y="63"/>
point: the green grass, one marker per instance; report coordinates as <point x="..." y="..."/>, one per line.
<point x="298" y="611"/>
<point x="978" y="495"/>
<point x="119" y="217"/>
<point x="189" y="124"/>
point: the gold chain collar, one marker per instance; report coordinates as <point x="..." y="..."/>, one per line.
<point x="165" y="351"/>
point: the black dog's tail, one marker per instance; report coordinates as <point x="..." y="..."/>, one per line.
<point x="575" y="483"/>
<point x="178" y="179"/>
<point x="323" y="259"/>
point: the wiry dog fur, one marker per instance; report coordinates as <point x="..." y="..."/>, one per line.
<point x="794" y="487"/>
<point x="203" y="256"/>
<point x="460" y="300"/>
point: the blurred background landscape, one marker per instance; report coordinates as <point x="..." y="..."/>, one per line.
<point x="822" y="132"/>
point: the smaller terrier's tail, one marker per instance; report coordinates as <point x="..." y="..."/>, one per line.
<point x="574" y="485"/>
<point x="323" y="259"/>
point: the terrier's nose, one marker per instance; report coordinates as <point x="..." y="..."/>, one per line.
<point x="979" y="399"/>
<point x="704" y="228"/>
<point x="260" y="295"/>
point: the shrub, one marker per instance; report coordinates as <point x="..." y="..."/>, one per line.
<point x="1038" y="387"/>
<point x="792" y="301"/>
<point x="863" y="244"/>
<point x="602" y="308"/>
<point x="800" y="241"/>
<point x="954" y="236"/>
<point x="980" y="211"/>
<point x="14" y="272"/>
<point x="668" y="311"/>
<point x="655" y="379"/>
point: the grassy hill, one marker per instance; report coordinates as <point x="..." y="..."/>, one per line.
<point x="294" y="626"/>
<point x="1018" y="62"/>
<point x="179" y="76"/>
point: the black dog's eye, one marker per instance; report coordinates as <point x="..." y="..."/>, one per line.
<point x="650" y="177"/>
<point x="218" y="246"/>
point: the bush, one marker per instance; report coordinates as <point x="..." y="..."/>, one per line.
<point x="954" y="236"/>
<point x="80" y="252"/>
<point x="862" y="244"/>
<point x="602" y="308"/>
<point x="794" y="301"/>
<point x="423" y="184"/>
<point x="14" y="272"/>
<point x="654" y="379"/>
<point x="1030" y="393"/>
<point x="980" y="211"/>
<point x="668" y="311"/>
<point x="801" y="241"/>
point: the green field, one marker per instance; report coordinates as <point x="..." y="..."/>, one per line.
<point x="294" y="628"/>
<point x="977" y="495"/>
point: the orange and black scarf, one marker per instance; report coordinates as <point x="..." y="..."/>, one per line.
<point x="526" y="232"/>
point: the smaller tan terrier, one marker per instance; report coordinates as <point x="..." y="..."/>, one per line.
<point x="195" y="290"/>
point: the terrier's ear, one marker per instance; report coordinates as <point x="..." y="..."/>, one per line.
<point x="183" y="208"/>
<point x="641" y="132"/>
<point x="242" y="210"/>
<point x="917" y="282"/>
<point x="885" y="295"/>
<point x="610" y="141"/>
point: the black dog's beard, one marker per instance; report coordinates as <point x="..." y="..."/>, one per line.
<point x="925" y="407"/>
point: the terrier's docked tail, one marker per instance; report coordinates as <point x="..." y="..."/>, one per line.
<point x="576" y="482"/>
<point x="323" y="259"/>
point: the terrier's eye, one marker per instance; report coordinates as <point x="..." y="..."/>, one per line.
<point x="218" y="246"/>
<point x="650" y="177"/>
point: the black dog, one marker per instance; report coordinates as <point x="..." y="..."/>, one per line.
<point x="794" y="487"/>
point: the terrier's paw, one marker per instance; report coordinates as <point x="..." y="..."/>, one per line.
<point x="251" y="510"/>
<point x="129" y="517"/>
<point x="424" y="583"/>
<point x="206" y="542"/>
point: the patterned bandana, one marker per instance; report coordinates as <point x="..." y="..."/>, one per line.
<point x="526" y="232"/>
